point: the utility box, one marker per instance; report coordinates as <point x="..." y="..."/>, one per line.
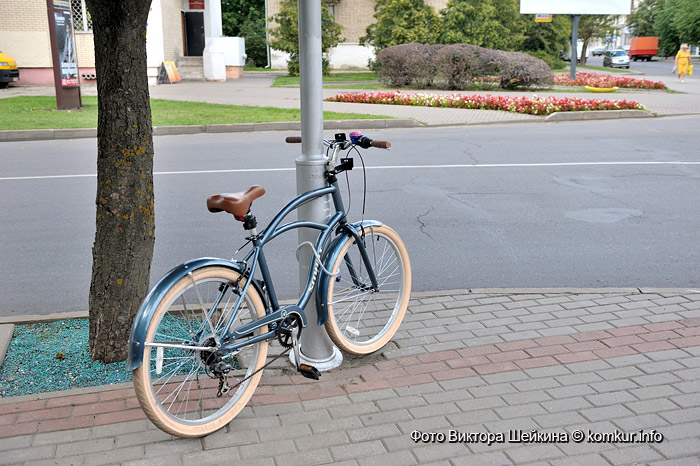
<point x="224" y="57"/>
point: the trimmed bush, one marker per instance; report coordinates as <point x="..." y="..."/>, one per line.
<point x="518" y="69"/>
<point x="393" y="64"/>
<point x="424" y="63"/>
<point x="457" y="66"/>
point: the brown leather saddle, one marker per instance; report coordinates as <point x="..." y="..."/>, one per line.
<point x="237" y="204"/>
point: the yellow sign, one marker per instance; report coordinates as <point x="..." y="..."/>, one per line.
<point x="543" y="18"/>
<point x="168" y="73"/>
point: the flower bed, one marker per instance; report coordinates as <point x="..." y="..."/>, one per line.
<point x="532" y="105"/>
<point x="606" y="80"/>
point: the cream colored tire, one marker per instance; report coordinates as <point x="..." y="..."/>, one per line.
<point x="361" y="321"/>
<point x="180" y="398"/>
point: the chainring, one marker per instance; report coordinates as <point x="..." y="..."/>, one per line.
<point x="284" y="332"/>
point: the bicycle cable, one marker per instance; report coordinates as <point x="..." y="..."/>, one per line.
<point x="316" y="256"/>
<point x="364" y="183"/>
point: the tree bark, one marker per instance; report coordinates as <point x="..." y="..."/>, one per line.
<point x="125" y="223"/>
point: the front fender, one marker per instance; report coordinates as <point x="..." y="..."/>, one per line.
<point x="329" y="259"/>
<point x="148" y="307"/>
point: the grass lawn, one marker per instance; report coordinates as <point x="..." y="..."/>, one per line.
<point x="40" y="113"/>
<point x="592" y="68"/>
<point x="348" y="76"/>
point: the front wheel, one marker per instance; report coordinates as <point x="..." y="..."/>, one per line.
<point x="180" y="389"/>
<point x="361" y="320"/>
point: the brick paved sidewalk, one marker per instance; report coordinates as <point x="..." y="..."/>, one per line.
<point x="467" y="362"/>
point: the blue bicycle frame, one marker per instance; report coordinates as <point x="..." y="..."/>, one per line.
<point x="235" y="339"/>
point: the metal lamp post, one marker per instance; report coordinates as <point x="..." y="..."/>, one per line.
<point x="316" y="347"/>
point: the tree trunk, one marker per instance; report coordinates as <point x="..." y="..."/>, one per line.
<point x="124" y="239"/>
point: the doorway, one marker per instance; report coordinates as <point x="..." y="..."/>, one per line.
<point x="193" y="25"/>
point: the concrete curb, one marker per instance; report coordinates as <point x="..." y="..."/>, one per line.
<point x="62" y="393"/>
<point x="78" y="133"/>
<point x="37" y="318"/>
<point x="6" y="332"/>
<point x="598" y="115"/>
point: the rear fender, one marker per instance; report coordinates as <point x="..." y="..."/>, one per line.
<point x="329" y="259"/>
<point x="148" y="307"/>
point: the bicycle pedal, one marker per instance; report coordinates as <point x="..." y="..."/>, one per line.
<point x="309" y="372"/>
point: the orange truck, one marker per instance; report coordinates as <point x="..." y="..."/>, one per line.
<point x="643" y="48"/>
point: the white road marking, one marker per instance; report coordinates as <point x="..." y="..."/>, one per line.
<point x="382" y="167"/>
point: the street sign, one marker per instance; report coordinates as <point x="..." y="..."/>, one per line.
<point x="575" y="7"/>
<point x="64" y="54"/>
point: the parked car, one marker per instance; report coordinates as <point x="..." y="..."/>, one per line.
<point x="598" y="51"/>
<point x="8" y="70"/>
<point x="616" y="59"/>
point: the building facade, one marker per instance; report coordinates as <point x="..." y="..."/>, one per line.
<point x="176" y="29"/>
<point x="354" y="16"/>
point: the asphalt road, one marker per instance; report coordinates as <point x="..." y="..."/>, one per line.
<point x="656" y="67"/>
<point x="585" y="204"/>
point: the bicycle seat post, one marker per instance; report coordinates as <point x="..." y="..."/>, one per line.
<point x="250" y="224"/>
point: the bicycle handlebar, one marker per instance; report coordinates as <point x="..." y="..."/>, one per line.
<point x="363" y="142"/>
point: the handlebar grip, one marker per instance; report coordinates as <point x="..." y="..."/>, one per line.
<point x="381" y="144"/>
<point x="293" y="140"/>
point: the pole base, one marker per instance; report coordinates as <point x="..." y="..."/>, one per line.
<point x="335" y="360"/>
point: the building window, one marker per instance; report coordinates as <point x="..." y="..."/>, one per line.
<point x="81" y="16"/>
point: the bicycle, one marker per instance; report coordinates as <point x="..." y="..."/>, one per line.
<point x="199" y="341"/>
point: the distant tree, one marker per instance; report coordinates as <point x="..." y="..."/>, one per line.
<point x="285" y="36"/>
<point x="402" y="22"/>
<point x="592" y="27"/>
<point x="673" y="21"/>
<point x="495" y="24"/>
<point x="687" y="20"/>
<point x="547" y="40"/>
<point x="642" y="20"/>
<point x="666" y="27"/>
<point x="125" y="218"/>
<point x="246" y="18"/>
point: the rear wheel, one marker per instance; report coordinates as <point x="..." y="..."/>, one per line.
<point x="362" y="320"/>
<point x="178" y="388"/>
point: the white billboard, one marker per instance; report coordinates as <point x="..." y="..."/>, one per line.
<point x="575" y="7"/>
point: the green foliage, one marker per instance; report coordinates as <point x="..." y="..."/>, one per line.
<point x="553" y="61"/>
<point x="494" y="24"/>
<point x="667" y="29"/>
<point x="285" y="36"/>
<point x="402" y="22"/>
<point x="546" y="40"/>
<point x="677" y="21"/>
<point x="687" y="19"/>
<point x="592" y="27"/>
<point x="246" y="18"/>
<point x="642" y="20"/>
<point x="674" y="21"/>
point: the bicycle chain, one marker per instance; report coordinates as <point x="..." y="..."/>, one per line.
<point x="224" y="387"/>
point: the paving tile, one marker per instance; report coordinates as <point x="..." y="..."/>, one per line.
<point x="358" y="450"/>
<point x="680" y="448"/>
<point x="529" y="453"/>
<point x="632" y="455"/>
<point x="429" y="453"/>
<point x="606" y="413"/>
